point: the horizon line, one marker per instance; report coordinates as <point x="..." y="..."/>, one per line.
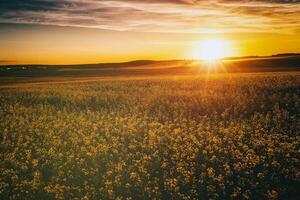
<point x="150" y="60"/>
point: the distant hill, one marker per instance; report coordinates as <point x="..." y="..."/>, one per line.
<point x="241" y="57"/>
<point x="261" y="57"/>
<point x="274" y="63"/>
<point x="286" y="54"/>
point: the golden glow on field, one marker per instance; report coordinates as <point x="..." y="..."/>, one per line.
<point x="212" y="49"/>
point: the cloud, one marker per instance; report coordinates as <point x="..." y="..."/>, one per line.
<point x="196" y="16"/>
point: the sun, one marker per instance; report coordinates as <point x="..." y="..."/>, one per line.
<point x="211" y="50"/>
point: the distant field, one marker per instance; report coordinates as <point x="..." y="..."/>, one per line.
<point x="145" y="69"/>
<point x="220" y="136"/>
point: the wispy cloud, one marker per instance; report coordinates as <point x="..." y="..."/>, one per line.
<point x="158" y="15"/>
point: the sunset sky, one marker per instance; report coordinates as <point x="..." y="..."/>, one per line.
<point x="91" y="31"/>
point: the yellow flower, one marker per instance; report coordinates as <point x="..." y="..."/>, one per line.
<point x="210" y="172"/>
<point x="35" y="162"/>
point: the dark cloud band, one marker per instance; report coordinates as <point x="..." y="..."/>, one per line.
<point x="156" y="15"/>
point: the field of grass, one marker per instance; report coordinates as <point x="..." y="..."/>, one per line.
<point x="144" y="69"/>
<point x="230" y="136"/>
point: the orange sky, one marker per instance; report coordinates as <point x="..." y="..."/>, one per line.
<point x="73" y="31"/>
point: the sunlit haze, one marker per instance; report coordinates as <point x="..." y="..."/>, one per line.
<point x="73" y="31"/>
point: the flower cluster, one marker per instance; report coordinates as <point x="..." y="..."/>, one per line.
<point x="221" y="137"/>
